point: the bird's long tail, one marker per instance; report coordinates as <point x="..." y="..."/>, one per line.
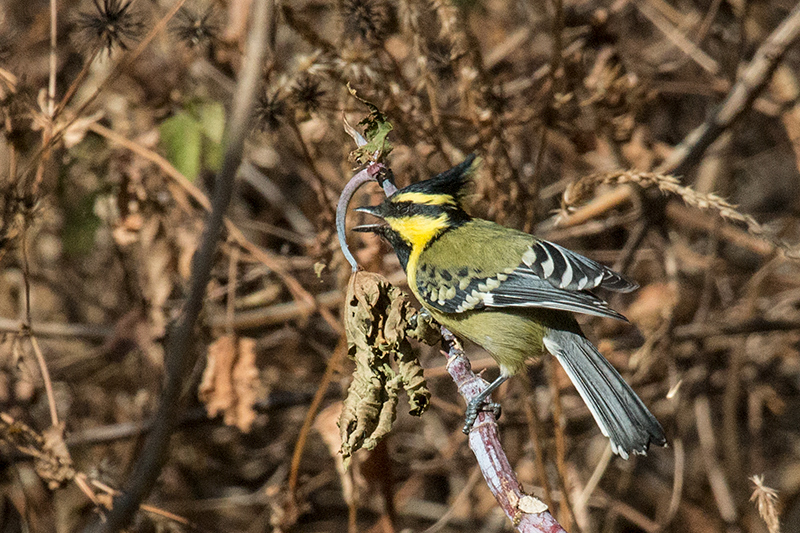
<point x="618" y="411"/>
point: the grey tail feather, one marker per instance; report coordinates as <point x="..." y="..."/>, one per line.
<point x="619" y="412"/>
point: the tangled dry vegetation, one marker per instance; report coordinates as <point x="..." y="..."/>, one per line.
<point x="113" y="130"/>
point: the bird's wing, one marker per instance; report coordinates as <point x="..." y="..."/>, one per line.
<point x="568" y="270"/>
<point x="521" y="287"/>
<point x="547" y="276"/>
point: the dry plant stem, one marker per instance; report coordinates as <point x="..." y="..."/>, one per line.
<point x="318" y="183"/>
<point x="334" y="363"/>
<point x="73" y="88"/>
<point x="119" y="68"/>
<point x="48" y="384"/>
<point x="558" y="429"/>
<point x="178" y="344"/>
<point x="677" y="487"/>
<point x="294" y="286"/>
<point x="677" y="38"/>
<point x="51" y="86"/>
<point x="233" y="263"/>
<point x="484" y="441"/>
<point x="54" y="329"/>
<point x="597" y="475"/>
<point x="535" y="424"/>
<point x="739" y="99"/>
<point x="716" y="476"/>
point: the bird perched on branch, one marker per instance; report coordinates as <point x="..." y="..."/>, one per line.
<point x="513" y="295"/>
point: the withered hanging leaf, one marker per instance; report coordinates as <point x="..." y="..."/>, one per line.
<point x="230" y="381"/>
<point x="378" y="320"/>
<point x="376" y="130"/>
<point x="51" y="458"/>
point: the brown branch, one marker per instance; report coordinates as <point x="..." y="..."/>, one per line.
<point x="741" y="96"/>
<point x="528" y="514"/>
<point x="55" y="329"/>
<point x="177" y="349"/>
<point x="739" y="99"/>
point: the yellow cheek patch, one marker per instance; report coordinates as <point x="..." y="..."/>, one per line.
<point x="418" y="230"/>
<point x="424" y="198"/>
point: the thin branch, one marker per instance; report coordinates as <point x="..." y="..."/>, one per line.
<point x="528" y="514"/>
<point x="334" y="363"/>
<point x="55" y="329"/>
<point x="51" y="85"/>
<point x="48" y="384"/>
<point x="740" y="97"/>
<point x="122" y="66"/>
<point x="177" y="349"/>
<point x="234" y="233"/>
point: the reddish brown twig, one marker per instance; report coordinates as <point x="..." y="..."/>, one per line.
<point x="527" y="513"/>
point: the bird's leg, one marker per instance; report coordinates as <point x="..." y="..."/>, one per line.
<point x="479" y="403"/>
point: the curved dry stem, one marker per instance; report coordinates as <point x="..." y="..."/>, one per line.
<point x="368" y="174"/>
<point x="154" y="452"/>
<point x="341" y="213"/>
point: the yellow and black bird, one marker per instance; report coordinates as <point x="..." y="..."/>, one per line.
<point x="513" y="295"/>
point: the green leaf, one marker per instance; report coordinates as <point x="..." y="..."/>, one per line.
<point x="376" y="130"/>
<point x="80" y="226"/>
<point x="182" y="139"/>
<point x="192" y="138"/>
<point x="212" y="120"/>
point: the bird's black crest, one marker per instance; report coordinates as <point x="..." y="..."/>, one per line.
<point x="452" y="182"/>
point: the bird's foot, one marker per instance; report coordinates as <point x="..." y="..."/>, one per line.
<point x="475" y="406"/>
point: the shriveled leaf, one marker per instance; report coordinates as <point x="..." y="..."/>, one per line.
<point x="377" y="324"/>
<point x="376" y="130"/>
<point x="51" y="457"/>
<point x="230" y="381"/>
<point x="326" y="423"/>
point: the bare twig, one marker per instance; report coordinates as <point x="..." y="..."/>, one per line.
<point x="53" y="329"/>
<point x="677" y="38"/>
<point x="40" y="361"/>
<point x="122" y="66"/>
<point x="178" y="344"/>
<point x="535" y="424"/>
<point x="716" y="477"/>
<point x="741" y="96"/>
<point x="267" y="258"/>
<point x="566" y="512"/>
<point x="51" y="85"/>
<point x="528" y="514"/>
<point x="334" y="363"/>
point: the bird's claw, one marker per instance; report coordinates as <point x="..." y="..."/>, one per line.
<point x="475" y="406"/>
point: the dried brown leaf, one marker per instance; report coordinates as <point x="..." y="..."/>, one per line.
<point x="230" y="381"/>
<point x="378" y="321"/>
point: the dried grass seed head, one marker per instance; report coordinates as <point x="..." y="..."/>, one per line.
<point x="196" y="29"/>
<point x="270" y="110"/>
<point x="111" y="23"/>
<point x="307" y="93"/>
<point x="440" y="60"/>
<point x="370" y="20"/>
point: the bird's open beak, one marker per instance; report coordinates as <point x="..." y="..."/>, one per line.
<point x="373" y="210"/>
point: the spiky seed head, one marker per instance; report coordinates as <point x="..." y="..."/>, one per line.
<point x="270" y="110"/>
<point x="110" y="24"/>
<point x="196" y="29"/>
